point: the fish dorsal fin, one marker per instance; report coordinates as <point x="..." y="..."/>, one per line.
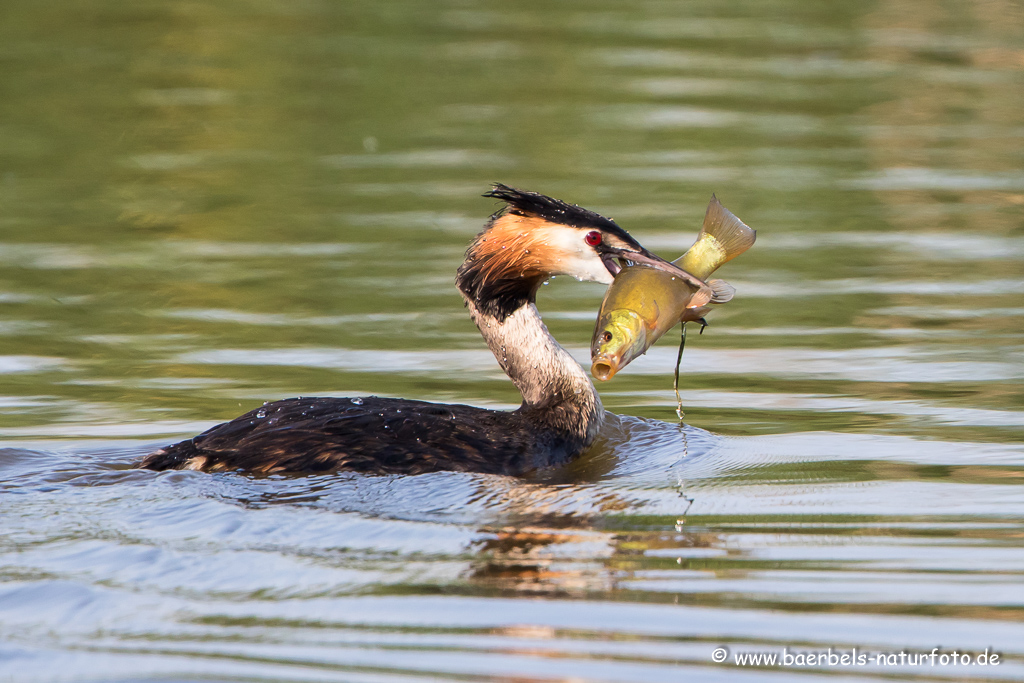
<point x="734" y="236"/>
<point x="721" y="291"/>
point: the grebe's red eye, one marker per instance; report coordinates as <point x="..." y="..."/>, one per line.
<point x="593" y="238"/>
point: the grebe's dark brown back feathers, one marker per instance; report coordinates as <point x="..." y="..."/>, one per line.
<point x="310" y="435"/>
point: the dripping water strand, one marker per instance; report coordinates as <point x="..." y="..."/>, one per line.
<point x="680" y="482"/>
<point x="679" y="360"/>
<point x="675" y="382"/>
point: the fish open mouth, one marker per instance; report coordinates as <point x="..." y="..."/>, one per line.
<point x="604" y="369"/>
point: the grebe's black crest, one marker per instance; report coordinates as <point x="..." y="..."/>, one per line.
<point x="554" y="210"/>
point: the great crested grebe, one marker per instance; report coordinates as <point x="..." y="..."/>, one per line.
<point x="531" y="239"/>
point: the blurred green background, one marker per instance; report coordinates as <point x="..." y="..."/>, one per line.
<point x="181" y="180"/>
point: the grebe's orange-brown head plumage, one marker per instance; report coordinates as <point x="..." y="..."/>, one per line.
<point x="536" y="237"/>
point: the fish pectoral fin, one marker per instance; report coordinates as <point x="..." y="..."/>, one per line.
<point x="652" y="322"/>
<point x="722" y="291"/>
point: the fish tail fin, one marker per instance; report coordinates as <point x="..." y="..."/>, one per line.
<point x="730" y="232"/>
<point x="721" y="291"/>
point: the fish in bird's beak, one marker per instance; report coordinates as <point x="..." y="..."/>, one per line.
<point x="644" y="303"/>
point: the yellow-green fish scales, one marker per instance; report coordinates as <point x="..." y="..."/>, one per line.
<point x="644" y="303"/>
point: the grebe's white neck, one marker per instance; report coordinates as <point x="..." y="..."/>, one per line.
<point x="556" y="391"/>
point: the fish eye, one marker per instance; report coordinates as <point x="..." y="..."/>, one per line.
<point x="607" y="336"/>
<point x="593" y="238"/>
